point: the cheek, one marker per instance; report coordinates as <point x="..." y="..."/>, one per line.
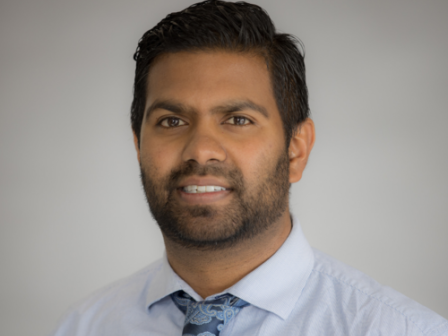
<point x="157" y="157"/>
<point x="256" y="157"/>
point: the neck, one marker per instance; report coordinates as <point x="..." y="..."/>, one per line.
<point x="211" y="272"/>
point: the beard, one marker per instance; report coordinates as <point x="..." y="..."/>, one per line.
<point x="252" y="210"/>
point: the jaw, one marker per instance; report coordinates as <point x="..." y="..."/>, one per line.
<point x="209" y="271"/>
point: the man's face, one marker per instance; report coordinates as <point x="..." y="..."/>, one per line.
<point x="212" y="152"/>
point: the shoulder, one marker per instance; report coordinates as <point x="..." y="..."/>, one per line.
<point x="106" y="304"/>
<point x="122" y="292"/>
<point x="360" y="303"/>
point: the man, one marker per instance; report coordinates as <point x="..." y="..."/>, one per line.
<point x="221" y="127"/>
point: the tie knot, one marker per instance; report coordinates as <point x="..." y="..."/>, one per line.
<point x="207" y="316"/>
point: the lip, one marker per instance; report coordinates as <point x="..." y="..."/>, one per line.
<point x="204" y="198"/>
<point x="203" y="181"/>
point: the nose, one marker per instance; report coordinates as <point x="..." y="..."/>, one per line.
<point x="204" y="146"/>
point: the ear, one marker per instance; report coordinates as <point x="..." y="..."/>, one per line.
<point x="137" y="147"/>
<point x="300" y="148"/>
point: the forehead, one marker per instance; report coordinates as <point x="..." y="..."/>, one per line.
<point x="204" y="79"/>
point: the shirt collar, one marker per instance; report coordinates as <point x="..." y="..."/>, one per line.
<point x="166" y="282"/>
<point x="275" y="285"/>
<point x="163" y="283"/>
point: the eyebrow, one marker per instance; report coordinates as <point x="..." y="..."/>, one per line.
<point x="240" y="105"/>
<point x="228" y="107"/>
<point x="169" y="105"/>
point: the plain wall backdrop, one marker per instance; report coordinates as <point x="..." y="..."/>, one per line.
<point x="73" y="214"/>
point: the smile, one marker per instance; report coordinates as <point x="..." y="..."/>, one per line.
<point x="195" y="189"/>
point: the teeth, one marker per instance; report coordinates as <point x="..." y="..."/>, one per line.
<point x="194" y="189"/>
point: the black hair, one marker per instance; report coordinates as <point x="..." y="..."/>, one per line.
<point x="235" y="27"/>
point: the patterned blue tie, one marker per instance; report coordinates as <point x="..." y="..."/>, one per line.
<point x="207" y="318"/>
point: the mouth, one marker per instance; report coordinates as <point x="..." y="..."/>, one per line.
<point x="196" y="189"/>
<point x="204" y="194"/>
<point x="202" y="190"/>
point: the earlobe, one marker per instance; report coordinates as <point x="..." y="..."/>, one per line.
<point x="137" y="146"/>
<point x="300" y="148"/>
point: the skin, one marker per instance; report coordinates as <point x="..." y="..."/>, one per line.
<point x="247" y="139"/>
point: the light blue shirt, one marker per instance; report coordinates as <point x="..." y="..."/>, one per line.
<point x="298" y="291"/>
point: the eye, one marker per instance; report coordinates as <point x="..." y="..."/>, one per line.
<point x="172" y="122"/>
<point x="239" y="121"/>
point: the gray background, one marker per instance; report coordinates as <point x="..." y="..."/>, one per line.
<point x="73" y="215"/>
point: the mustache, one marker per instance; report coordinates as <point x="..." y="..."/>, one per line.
<point x="233" y="176"/>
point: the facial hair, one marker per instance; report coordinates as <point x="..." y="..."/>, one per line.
<point x="252" y="210"/>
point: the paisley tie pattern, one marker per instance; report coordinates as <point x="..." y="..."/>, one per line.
<point x="207" y="318"/>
